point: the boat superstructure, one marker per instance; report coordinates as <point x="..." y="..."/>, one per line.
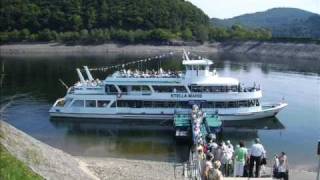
<point x="157" y="95"/>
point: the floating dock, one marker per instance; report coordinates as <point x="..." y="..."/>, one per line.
<point x="184" y="125"/>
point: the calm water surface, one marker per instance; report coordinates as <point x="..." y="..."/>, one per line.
<point x="295" y="130"/>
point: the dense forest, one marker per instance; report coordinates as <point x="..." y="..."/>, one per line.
<point x="282" y="22"/>
<point x="100" y="21"/>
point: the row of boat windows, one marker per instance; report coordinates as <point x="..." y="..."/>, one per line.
<point x="90" y="103"/>
<point x="184" y="104"/>
<point x="163" y="104"/>
<point x="111" y="89"/>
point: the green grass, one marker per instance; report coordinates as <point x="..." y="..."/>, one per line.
<point x="13" y="169"/>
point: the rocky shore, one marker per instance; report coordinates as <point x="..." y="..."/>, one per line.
<point x="52" y="163"/>
<point x="43" y="159"/>
<point x="287" y="50"/>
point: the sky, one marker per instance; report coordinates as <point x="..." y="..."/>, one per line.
<point x="230" y="8"/>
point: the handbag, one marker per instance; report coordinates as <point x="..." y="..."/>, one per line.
<point x="263" y="161"/>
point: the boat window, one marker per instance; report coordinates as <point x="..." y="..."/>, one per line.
<point x="102" y="103"/>
<point x="90" y="103"/>
<point x="243" y="103"/>
<point x="189" y="67"/>
<point x="78" y="103"/>
<point x="202" y="67"/>
<point x="195" y="88"/>
<point x="183" y="104"/>
<point x="171" y="89"/>
<point x="231" y="104"/>
<point x="220" y="105"/>
<point x="257" y="102"/>
<point x="147" y="104"/>
<point x="124" y="89"/>
<point x="140" y="88"/>
<point x="111" y="89"/>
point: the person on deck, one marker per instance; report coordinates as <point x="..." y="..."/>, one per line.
<point x="257" y="152"/>
<point x="241" y="155"/>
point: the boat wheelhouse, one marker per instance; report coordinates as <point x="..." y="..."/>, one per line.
<point x="158" y="95"/>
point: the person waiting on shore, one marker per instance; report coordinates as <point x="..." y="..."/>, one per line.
<point x="218" y="153"/>
<point x="227" y="159"/>
<point x="283" y="169"/>
<point x="275" y="168"/>
<point x="208" y="166"/>
<point x="241" y="156"/>
<point x="215" y="173"/>
<point x="257" y="152"/>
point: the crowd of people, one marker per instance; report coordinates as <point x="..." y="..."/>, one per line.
<point x="221" y="159"/>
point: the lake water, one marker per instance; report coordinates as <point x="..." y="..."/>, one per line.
<point x="296" y="129"/>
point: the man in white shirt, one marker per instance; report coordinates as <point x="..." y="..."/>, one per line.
<point x="257" y="152"/>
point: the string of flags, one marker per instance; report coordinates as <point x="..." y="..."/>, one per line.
<point x="133" y="62"/>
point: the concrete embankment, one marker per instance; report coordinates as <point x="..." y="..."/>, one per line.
<point x="44" y="160"/>
<point x="286" y="50"/>
<point x="52" y="163"/>
<point x="103" y="49"/>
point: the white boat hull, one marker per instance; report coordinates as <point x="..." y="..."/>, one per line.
<point x="270" y="111"/>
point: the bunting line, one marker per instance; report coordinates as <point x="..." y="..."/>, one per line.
<point x="133" y="62"/>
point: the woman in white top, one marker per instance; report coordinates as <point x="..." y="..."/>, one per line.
<point x="283" y="168"/>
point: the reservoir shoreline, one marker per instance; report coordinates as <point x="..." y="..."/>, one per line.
<point x="269" y="49"/>
<point x="52" y="163"/>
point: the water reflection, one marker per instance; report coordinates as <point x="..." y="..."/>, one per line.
<point x="145" y="141"/>
<point x="301" y="65"/>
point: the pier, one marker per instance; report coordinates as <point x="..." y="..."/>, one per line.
<point x="195" y="126"/>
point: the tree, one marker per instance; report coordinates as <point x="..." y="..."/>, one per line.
<point x="201" y="33"/>
<point x="186" y="34"/>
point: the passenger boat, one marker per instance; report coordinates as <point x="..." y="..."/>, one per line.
<point x="159" y="95"/>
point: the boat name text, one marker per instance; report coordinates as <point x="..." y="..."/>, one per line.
<point x="186" y="95"/>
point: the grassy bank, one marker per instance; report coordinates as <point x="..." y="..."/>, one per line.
<point x="13" y="169"/>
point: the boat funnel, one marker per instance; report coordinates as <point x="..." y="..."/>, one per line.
<point x="88" y="73"/>
<point x="185" y="55"/>
<point x="80" y="76"/>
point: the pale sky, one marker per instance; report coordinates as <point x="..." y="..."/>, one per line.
<point x="231" y="8"/>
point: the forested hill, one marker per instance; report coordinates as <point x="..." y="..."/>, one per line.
<point x="283" y="22"/>
<point x="75" y="15"/>
<point x="100" y="21"/>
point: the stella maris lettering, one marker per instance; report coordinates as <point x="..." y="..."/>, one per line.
<point x="186" y="95"/>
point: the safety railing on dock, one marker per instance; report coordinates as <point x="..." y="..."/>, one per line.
<point x="199" y="125"/>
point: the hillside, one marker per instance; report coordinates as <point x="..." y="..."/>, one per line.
<point x="97" y="21"/>
<point x="105" y="21"/>
<point x="283" y="22"/>
<point x="73" y="15"/>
